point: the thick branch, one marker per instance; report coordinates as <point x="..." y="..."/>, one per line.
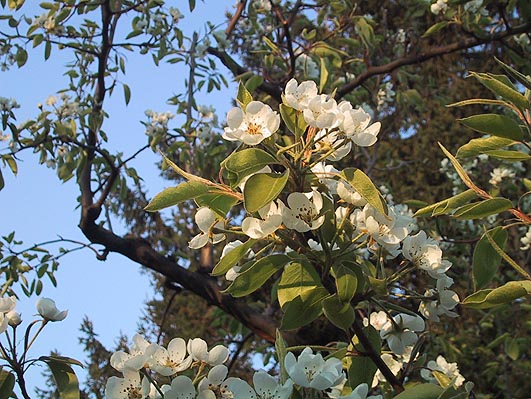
<point x="429" y="53"/>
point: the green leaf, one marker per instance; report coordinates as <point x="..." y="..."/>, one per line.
<point x="495" y="125"/>
<point x="127" y="93"/>
<point x="219" y="201"/>
<point x="521" y="78"/>
<point x="304" y="309"/>
<point x="489" y="298"/>
<point x="21" y="57"/>
<point x="447" y="205"/>
<point x="256" y="275"/>
<point x="232" y="257"/>
<point x="175" y="195"/>
<point x="366" y="32"/>
<point x="421" y="391"/>
<point x="324" y="74"/>
<point x="253" y="82"/>
<point x="263" y="188"/>
<point x="435" y="28"/>
<point x="297" y="279"/>
<point x="510" y="156"/>
<point x="501" y="86"/>
<point x="462" y="172"/>
<point x="7" y="383"/>
<point x="294" y="120"/>
<point x="512" y="349"/>
<point x="346" y="282"/>
<point x="481" y="209"/>
<point x="47" y="50"/>
<point x="63" y="359"/>
<point x="365" y="187"/>
<point x="340" y="314"/>
<point x="246" y="162"/>
<point x="191" y="5"/>
<point x="65" y="378"/>
<point x="243" y="97"/>
<point x="486" y="259"/>
<point x="482" y="145"/>
<point x="479" y="101"/>
<point x="2" y="182"/>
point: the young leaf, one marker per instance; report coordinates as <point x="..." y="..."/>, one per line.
<point x="489" y="298"/>
<point x="486" y="259"/>
<point x="495" y="125"/>
<point x="254" y="277"/>
<point x="365" y="187"/>
<point x="127" y="93"/>
<point x="297" y="279"/>
<point x="175" y="195"/>
<point x="521" y="78"/>
<point x="243" y="97"/>
<point x="501" y="86"/>
<point x="447" y="205"/>
<point x="246" y="162"/>
<point x="219" y="201"/>
<point x="482" y="145"/>
<point x="263" y="188"/>
<point x="481" y="209"/>
<point x="294" y="120"/>
<point x="346" y="282"/>
<point x="65" y="379"/>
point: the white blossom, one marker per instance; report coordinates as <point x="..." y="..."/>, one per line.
<point x="172" y="360"/>
<point x="48" y="310"/>
<point x="445" y="300"/>
<point x="424" y="252"/>
<point x="215" y="382"/>
<point x="253" y="125"/>
<point x="498" y="174"/>
<point x="265" y="387"/>
<point x="327" y="176"/>
<point x="393" y="364"/>
<point x="269" y="221"/>
<point x="198" y="348"/>
<point x="441" y="365"/>
<point x="129" y="387"/>
<point x="312" y="371"/>
<point x="400" y="332"/>
<point x="322" y="112"/>
<point x="138" y="357"/>
<point x="326" y="141"/>
<point x="299" y="96"/>
<point x="526" y="240"/>
<point x="356" y="125"/>
<point x="440" y="6"/>
<point x="207" y="220"/>
<point x="302" y="212"/>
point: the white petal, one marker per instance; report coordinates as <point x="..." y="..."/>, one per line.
<point x="217" y="355"/>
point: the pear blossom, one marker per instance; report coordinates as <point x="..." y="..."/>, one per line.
<point x="526" y="240"/>
<point x="214" y="383"/>
<point x="198" y="349"/>
<point x="326" y="141"/>
<point x="13" y="318"/>
<point x="312" y="371"/>
<point x="445" y="301"/>
<point x="307" y="65"/>
<point x="400" y="332"/>
<point x="253" y="125"/>
<point x="206" y="219"/>
<point x="172" y="360"/>
<point x="234" y="271"/>
<point x="299" y="96"/>
<point x="6" y="306"/>
<point x="424" y="252"/>
<point x="326" y="175"/>
<point x="355" y="124"/>
<point x="349" y="194"/>
<point x="269" y="221"/>
<point x="181" y="388"/>
<point x="440" y="6"/>
<point x="138" y="357"/>
<point x="48" y="310"/>
<point x="385" y="230"/>
<point x="322" y="112"/>
<point x="393" y="364"/>
<point x="129" y="387"/>
<point x="441" y="365"/>
<point x="498" y="174"/>
<point x="360" y="392"/>
<point x="377" y="319"/>
<point x="265" y="387"/>
<point x="303" y="212"/>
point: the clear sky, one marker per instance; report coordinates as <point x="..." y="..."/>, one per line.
<point x="39" y="208"/>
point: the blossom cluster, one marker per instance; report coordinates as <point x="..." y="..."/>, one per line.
<point x="144" y="361"/>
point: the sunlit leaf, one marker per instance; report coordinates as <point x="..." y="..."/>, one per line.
<point x="495" y="125"/>
<point x="486" y="259"/>
<point x="489" y="298"/>
<point x="262" y="188"/>
<point x="481" y="209"/>
<point x="175" y="195"/>
<point x="365" y="187"/>
<point x="232" y="257"/>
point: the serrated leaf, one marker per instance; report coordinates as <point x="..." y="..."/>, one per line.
<point x="294" y="120"/>
<point x="297" y="279"/>
<point x="65" y="379"/>
<point x="232" y="257"/>
<point x="489" y="298"/>
<point x="495" y="125"/>
<point x="175" y="195"/>
<point x="243" y="97"/>
<point x="340" y="314"/>
<point x="435" y="28"/>
<point x="365" y="187"/>
<point x="481" y="209"/>
<point x="346" y="282"/>
<point x="262" y="188"/>
<point x="256" y="275"/>
<point x="486" y="259"/>
<point x="302" y="310"/>
<point x="7" y="383"/>
<point x="482" y="145"/>
<point x="501" y="86"/>
<point x="246" y="162"/>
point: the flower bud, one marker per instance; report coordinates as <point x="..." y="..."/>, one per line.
<point x="13" y="318"/>
<point x="49" y="312"/>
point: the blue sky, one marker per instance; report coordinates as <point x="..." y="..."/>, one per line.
<point x="39" y="208"/>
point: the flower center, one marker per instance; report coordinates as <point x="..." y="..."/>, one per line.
<point x="253" y="128"/>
